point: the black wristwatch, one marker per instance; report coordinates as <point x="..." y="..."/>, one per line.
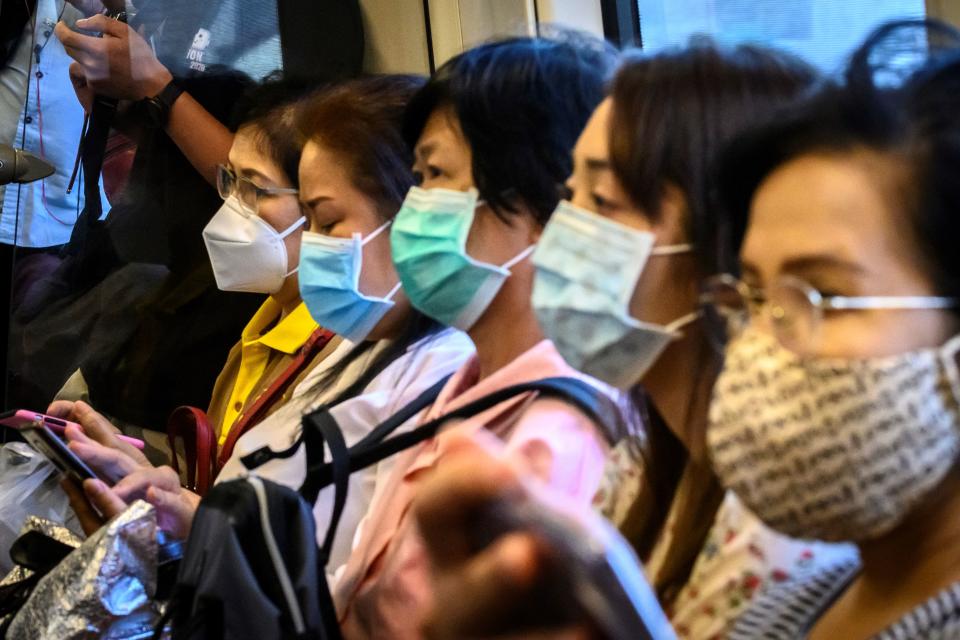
<point x="158" y="107"/>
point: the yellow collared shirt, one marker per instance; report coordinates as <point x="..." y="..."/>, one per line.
<point x="258" y="345"/>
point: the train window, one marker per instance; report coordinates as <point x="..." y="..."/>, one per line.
<point x="822" y="31"/>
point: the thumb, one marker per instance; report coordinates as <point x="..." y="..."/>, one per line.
<point x="174" y="513"/>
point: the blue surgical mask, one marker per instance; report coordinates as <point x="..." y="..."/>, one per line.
<point x="330" y="284"/>
<point x="429" y="244"/>
<point x="587" y="268"/>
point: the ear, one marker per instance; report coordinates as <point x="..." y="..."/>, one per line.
<point x="671" y="228"/>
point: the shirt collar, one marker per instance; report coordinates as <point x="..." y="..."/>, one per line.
<point x="288" y="335"/>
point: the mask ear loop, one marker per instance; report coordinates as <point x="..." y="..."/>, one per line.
<point x="393" y="292"/>
<point x="296" y="225"/>
<point x="671" y="250"/>
<point x="376" y="232"/>
<point x="683" y="321"/>
<point x="520" y="257"/>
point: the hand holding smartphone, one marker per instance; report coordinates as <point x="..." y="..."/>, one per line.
<point x="41" y="438"/>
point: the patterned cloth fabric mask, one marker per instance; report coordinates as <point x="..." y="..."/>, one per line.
<point x="829" y="448"/>
<point x="429" y="243"/>
<point x="246" y="252"/>
<point x="587" y="270"/>
<point x="330" y="284"/>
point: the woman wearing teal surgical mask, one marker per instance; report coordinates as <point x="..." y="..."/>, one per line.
<point x="629" y="251"/>
<point x="491" y="133"/>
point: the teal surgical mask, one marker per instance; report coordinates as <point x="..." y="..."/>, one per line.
<point x="429" y="244"/>
<point x="330" y="284"/>
<point x="587" y="270"/>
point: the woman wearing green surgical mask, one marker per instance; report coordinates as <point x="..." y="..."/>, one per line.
<point x="619" y="273"/>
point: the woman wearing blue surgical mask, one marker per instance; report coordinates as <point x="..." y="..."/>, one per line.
<point x="353" y="173"/>
<point x="491" y="134"/>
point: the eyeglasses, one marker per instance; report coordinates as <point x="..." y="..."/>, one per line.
<point x="795" y="309"/>
<point x="247" y="192"/>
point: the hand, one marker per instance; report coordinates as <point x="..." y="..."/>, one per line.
<point x="94" y="503"/>
<point x="160" y="486"/>
<point x="97" y="445"/>
<point x="120" y="64"/>
<point x="482" y="593"/>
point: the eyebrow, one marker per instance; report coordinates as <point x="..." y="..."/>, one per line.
<point x="805" y="263"/>
<point x="821" y="261"/>
<point x="425" y="149"/>
<point x="310" y="203"/>
<point x="253" y="173"/>
<point x="597" y="164"/>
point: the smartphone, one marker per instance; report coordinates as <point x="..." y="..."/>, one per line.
<point x="593" y="576"/>
<point x="55" y="450"/>
<point x="19" y="418"/>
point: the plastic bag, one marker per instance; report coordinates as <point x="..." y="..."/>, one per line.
<point x="29" y="486"/>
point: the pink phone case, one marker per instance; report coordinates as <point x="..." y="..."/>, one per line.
<point x="22" y="418"/>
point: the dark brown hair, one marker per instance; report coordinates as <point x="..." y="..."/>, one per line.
<point x="360" y="120"/>
<point x="671" y="115"/>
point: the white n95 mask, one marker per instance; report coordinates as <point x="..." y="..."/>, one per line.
<point x="247" y="254"/>
<point x="587" y="268"/>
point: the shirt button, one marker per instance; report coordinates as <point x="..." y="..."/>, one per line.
<point x="46" y="34"/>
<point x="28" y="119"/>
<point x="39" y="74"/>
<point x="237" y="405"/>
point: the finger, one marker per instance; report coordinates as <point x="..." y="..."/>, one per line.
<point x="79" y="80"/>
<point x="103" y="24"/>
<point x="448" y="504"/>
<point x="481" y="597"/>
<point x="75" y="42"/>
<point x="98" y="428"/>
<point x="106" y="501"/>
<point x="174" y="511"/>
<point x="109" y="463"/>
<point x="89" y="519"/>
<point x="62" y="408"/>
<point x="135" y="485"/>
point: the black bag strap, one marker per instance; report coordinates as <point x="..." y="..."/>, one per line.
<point x="263" y="455"/>
<point x="596" y="405"/>
<point x="320" y="427"/>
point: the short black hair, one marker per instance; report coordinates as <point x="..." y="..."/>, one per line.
<point x="521" y="104"/>
<point x="672" y="114"/>
<point x="915" y="122"/>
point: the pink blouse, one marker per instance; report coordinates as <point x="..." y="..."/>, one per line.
<point x="384" y="589"/>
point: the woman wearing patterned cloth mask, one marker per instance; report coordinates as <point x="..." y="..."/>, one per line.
<point x="837" y="415"/>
